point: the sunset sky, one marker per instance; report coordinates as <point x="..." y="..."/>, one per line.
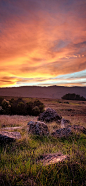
<point x="42" y="42"/>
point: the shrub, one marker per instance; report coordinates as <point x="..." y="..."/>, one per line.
<point x="6" y="106"/>
<point x="1" y="99"/>
<point x="39" y="104"/>
<point x="13" y="108"/>
<point x="17" y="106"/>
<point x="34" y="108"/>
<point x="29" y="107"/>
<point x="21" y="108"/>
<point x="36" y="111"/>
<point x="19" y="100"/>
<point x="41" y="107"/>
<point x="11" y="100"/>
<point x="73" y="96"/>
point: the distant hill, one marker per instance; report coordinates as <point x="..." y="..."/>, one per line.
<point x="42" y="92"/>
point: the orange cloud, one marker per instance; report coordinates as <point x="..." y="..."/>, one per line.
<point x="41" y="39"/>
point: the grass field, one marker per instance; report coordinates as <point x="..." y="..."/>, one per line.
<point x="19" y="161"/>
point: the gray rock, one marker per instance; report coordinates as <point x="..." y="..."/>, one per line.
<point x="31" y="123"/>
<point x="52" y="158"/>
<point x="38" y="128"/>
<point x="79" y="128"/>
<point x="10" y="128"/>
<point x="6" y="136"/>
<point x="69" y="109"/>
<point x="49" y="115"/>
<point x="64" y="123"/>
<point x="65" y="132"/>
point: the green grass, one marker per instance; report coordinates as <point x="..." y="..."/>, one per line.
<point x="20" y="165"/>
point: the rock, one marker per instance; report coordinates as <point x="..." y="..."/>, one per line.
<point x="38" y="128"/>
<point x="31" y="122"/>
<point x="79" y="128"/>
<point x="49" y="115"/>
<point x="6" y="136"/>
<point x="52" y="158"/>
<point x="69" y="109"/>
<point x="6" y="139"/>
<point x="64" y="122"/>
<point x="65" y="132"/>
<point x="10" y="128"/>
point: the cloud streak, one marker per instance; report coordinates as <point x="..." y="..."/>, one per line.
<point x="41" y="39"/>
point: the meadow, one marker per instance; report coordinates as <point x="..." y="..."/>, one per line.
<point x="20" y="161"/>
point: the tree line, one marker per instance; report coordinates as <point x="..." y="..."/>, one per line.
<point x="73" y="96"/>
<point x="20" y="107"/>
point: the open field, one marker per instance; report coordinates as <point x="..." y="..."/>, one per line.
<point x="19" y="161"/>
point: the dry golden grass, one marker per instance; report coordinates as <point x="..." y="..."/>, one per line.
<point x="77" y="114"/>
<point x="16" y="120"/>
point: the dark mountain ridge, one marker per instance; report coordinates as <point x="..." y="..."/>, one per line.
<point x="42" y="92"/>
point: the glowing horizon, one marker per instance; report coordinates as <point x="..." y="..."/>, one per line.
<point x="42" y="43"/>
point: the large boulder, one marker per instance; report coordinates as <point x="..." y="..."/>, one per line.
<point x="49" y="115"/>
<point x="38" y="128"/>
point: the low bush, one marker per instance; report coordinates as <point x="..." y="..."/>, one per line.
<point x="6" y="106"/>
<point x="19" y="107"/>
<point x="73" y="96"/>
<point x="39" y="104"/>
<point x="29" y="107"/>
<point x="1" y="99"/>
<point x="11" y="100"/>
<point x="36" y="111"/>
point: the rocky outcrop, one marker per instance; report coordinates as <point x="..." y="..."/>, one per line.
<point x="49" y="115"/>
<point x="38" y="128"/>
